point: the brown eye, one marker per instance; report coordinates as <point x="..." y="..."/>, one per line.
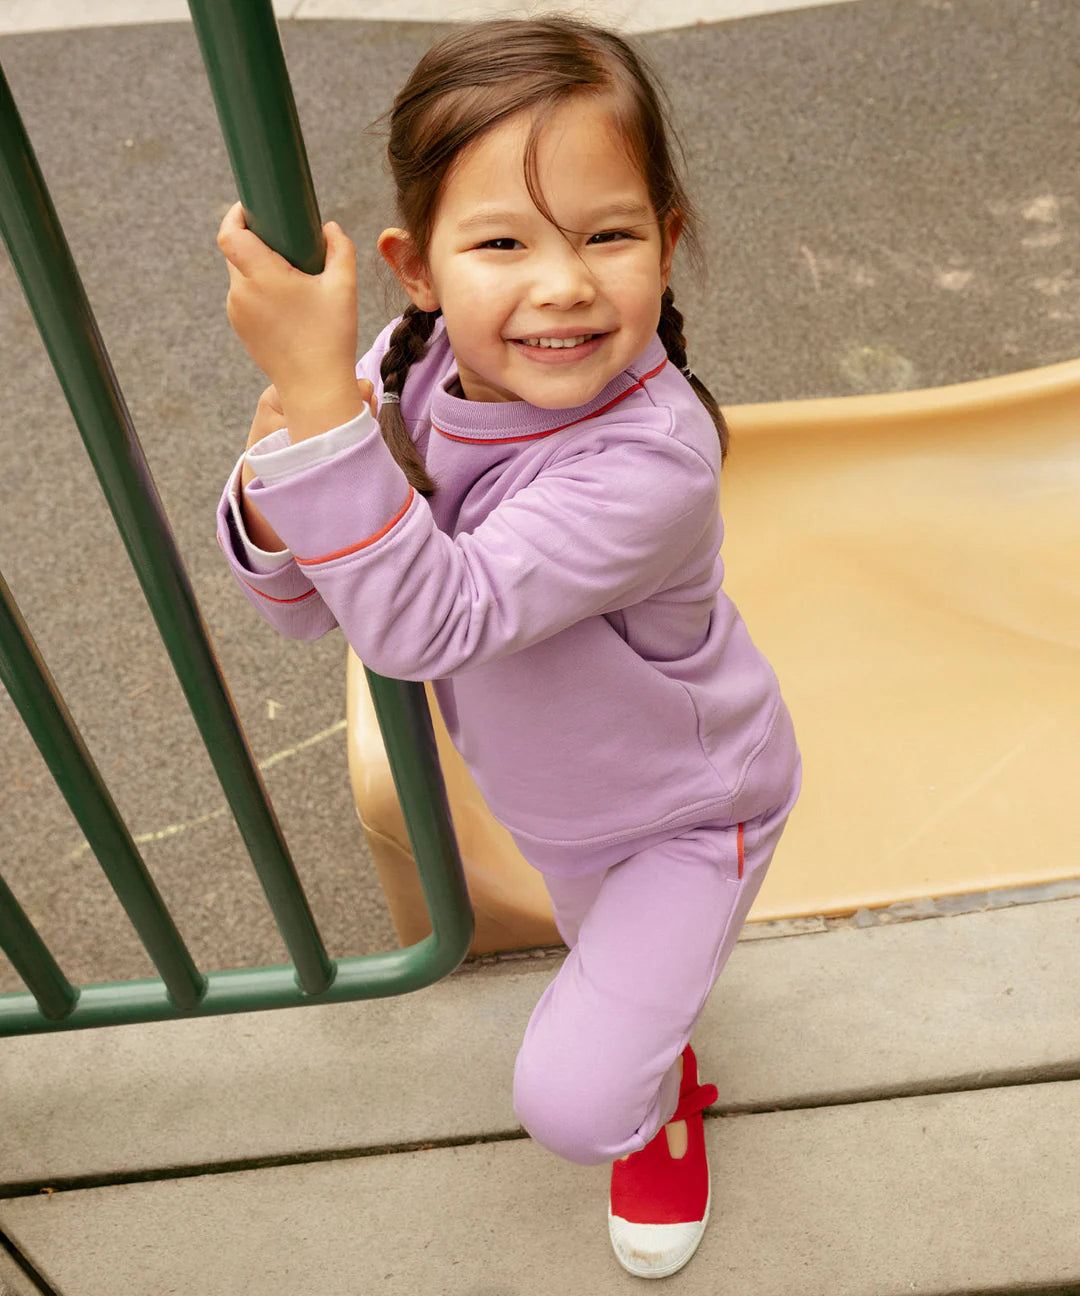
<point x="501" y="244"/>
<point x="610" y="236"/>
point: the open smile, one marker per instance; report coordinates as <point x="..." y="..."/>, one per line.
<point x="557" y="341"/>
<point x="558" y="350"/>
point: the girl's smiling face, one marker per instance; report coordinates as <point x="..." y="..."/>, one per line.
<point x="535" y="311"/>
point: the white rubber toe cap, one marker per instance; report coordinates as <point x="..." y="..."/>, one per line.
<point x="654" y="1250"/>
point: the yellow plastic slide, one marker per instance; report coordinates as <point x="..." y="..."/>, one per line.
<point x="910" y="564"/>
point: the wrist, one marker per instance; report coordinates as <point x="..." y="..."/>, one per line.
<point x="310" y="411"/>
<point x="316" y="388"/>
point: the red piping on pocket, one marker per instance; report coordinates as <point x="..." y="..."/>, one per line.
<point x="742" y="856"/>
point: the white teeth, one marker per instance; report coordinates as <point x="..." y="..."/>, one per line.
<point x="557" y="342"/>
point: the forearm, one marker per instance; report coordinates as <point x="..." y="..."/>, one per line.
<point x="259" y="531"/>
<point x="305" y="412"/>
<point x="278" y="590"/>
<point x="418" y="603"/>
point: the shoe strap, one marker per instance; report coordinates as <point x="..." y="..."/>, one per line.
<point x="695" y="1100"/>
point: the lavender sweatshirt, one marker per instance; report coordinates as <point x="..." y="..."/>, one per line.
<point x="563" y="591"/>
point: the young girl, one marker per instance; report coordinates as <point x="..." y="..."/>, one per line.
<point x="514" y="494"/>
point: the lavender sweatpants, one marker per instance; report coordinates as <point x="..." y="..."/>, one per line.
<point x="597" y="1074"/>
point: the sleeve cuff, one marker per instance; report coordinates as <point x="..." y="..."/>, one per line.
<point x="340" y="506"/>
<point x="275" y="459"/>
<point x="260" y="561"/>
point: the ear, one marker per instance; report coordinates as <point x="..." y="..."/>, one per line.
<point x="398" y="250"/>
<point x="672" y="230"/>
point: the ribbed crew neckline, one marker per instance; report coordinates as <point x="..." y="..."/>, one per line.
<point x="491" y="420"/>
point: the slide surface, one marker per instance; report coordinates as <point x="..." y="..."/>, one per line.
<point x="910" y="563"/>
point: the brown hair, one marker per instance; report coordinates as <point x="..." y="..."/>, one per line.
<point x="477" y="77"/>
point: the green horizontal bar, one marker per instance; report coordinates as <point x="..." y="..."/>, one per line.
<point x="55" y="292"/>
<point x="30" y="957"/>
<point x="368" y="976"/>
<point x="31" y="687"/>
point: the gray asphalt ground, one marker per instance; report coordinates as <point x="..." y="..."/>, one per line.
<point x="891" y="193"/>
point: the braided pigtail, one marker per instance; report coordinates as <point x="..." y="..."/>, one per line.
<point x="408" y="342"/>
<point x="670" y="329"/>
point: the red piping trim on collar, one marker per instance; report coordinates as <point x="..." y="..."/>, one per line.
<point x="536" y="436"/>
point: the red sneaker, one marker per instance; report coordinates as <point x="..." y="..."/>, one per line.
<point x="660" y="1206"/>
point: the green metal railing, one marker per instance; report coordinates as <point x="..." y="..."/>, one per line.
<point x="246" y="66"/>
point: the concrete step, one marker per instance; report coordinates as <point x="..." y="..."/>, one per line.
<point x="971" y="1001"/>
<point x="939" y="1195"/>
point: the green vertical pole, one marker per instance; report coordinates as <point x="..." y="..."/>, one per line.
<point x="246" y="67"/>
<point x="41" y="256"/>
<point x="242" y="50"/>
<point x="31" y="688"/>
<point x="55" y="995"/>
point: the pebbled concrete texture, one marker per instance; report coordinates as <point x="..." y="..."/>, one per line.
<point x="13" y="1282"/>
<point x="898" y="1112"/>
<point x="890" y="193"/>
<point x="947" y="1194"/>
<point x="803" y="1021"/>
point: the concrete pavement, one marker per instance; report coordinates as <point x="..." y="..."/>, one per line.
<point x="898" y="1112"/>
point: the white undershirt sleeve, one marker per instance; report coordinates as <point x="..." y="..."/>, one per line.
<point x="275" y="459"/>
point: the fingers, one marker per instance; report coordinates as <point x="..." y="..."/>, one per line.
<point x="340" y="250"/>
<point x="230" y="228"/>
<point x="244" y="250"/>
<point x="272" y="400"/>
<point x="246" y="253"/>
<point x="269" y="417"/>
<point x="367" y="395"/>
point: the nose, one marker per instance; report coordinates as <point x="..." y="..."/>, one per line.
<point x="562" y="280"/>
